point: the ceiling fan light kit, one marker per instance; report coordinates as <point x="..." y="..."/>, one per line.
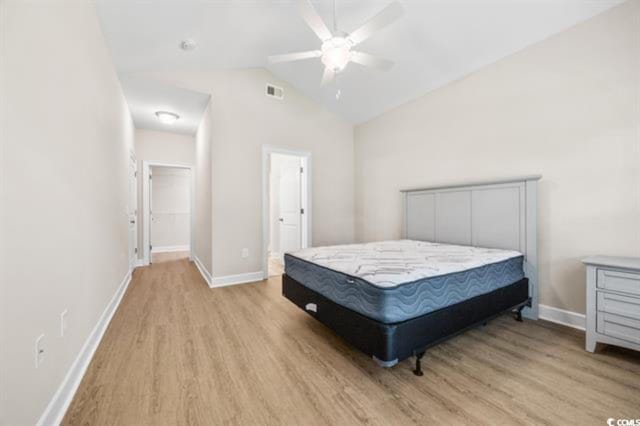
<point x="336" y="50"/>
<point x="336" y="53"/>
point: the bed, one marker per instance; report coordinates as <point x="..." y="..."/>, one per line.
<point x="469" y="254"/>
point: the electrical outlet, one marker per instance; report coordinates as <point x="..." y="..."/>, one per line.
<point x="63" y="323"/>
<point x="39" y="350"/>
<point x="245" y="253"/>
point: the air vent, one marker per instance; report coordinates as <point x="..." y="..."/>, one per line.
<point x="275" y="92"/>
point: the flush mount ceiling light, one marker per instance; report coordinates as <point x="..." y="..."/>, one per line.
<point x="336" y="50"/>
<point x="167" y="117"/>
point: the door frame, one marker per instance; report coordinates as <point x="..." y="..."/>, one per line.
<point x="136" y="243"/>
<point x="305" y="199"/>
<point x="146" y="207"/>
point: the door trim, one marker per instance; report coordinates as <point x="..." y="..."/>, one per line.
<point x="306" y="227"/>
<point x="146" y="208"/>
<point x="133" y="262"/>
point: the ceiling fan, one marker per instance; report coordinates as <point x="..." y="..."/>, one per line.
<point x="336" y="50"/>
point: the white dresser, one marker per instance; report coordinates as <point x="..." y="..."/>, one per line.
<point x="613" y="301"/>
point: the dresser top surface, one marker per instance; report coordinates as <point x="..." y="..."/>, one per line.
<point x="614" y="262"/>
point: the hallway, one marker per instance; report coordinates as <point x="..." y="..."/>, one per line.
<point x="178" y="352"/>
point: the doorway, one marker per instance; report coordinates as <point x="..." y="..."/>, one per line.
<point x="288" y="212"/>
<point x="168" y="212"/>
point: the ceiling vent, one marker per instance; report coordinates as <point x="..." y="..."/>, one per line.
<point x="274" y="92"/>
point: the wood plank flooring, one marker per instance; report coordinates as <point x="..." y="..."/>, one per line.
<point x="276" y="268"/>
<point x="168" y="256"/>
<point x="178" y="352"/>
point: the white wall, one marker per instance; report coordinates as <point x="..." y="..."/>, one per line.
<point x="66" y="137"/>
<point x="162" y="147"/>
<point x="171" y="207"/>
<point x="243" y="120"/>
<point x="201" y="245"/>
<point x="568" y="108"/>
<point x="152" y="145"/>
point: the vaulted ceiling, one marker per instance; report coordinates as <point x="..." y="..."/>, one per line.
<point x="435" y="42"/>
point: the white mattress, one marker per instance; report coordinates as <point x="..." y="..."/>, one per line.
<point x="388" y="264"/>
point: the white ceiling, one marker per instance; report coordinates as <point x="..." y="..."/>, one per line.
<point x="146" y="97"/>
<point x="437" y="41"/>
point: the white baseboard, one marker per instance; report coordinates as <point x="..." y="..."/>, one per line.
<point x="141" y="262"/>
<point x="61" y="400"/>
<point x="226" y="280"/>
<point x="203" y="271"/>
<point x="560" y="316"/>
<point x="170" y="249"/>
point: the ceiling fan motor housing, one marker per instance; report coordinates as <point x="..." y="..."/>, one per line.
<point x="336" y="53"/>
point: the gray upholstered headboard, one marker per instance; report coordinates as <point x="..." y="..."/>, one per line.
<point x="496" y="214"/>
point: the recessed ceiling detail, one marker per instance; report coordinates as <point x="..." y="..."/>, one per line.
<point x="434" y="43"/>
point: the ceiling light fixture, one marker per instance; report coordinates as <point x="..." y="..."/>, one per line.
<point x="336" y="50"/>
<point x="336" y="53"/>
<point x="167" y="117"/>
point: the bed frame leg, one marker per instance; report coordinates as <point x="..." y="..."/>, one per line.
<point x="418" y="371"/>
<point x="517" y="314"/>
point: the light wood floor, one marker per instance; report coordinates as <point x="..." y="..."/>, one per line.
<point x="169" y="256"/>
<point x="276" y="268"/>
<point x="178" y="352"/>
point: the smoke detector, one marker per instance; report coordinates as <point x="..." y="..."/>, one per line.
<point x="187" y="45"/>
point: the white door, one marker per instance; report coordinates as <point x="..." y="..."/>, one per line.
<point x="290" y="206"/>
<point x="132" y="212"/>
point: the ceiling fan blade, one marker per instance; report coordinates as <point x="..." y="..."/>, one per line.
<point x="371" y="61"/>
<point x="385" y="17"/>
<point x="314" y="20"/>
<point x="327" y="76"/>
<point x="298" y="56"/>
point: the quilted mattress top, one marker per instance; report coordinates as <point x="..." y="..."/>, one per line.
<point x="388" y="264"/>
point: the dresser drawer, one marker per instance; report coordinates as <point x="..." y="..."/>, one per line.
<point x="618" y="304"/>
<point x="624" y="282"/>
<point x="619" y="327"/>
